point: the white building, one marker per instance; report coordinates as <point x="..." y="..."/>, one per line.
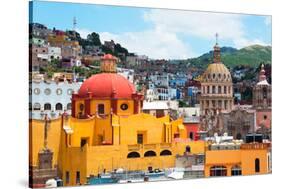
<point x="160" y="80"/>
<point x="54" y="53"/>
<point x="151" y="95"/>
<point x="159" y="108"/>
<point x="50" y="98"/>
<point x="127" y="73"/>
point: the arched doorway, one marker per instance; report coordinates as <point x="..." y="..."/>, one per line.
<point x="236" y="170"/>
<point x="216" y="171"/>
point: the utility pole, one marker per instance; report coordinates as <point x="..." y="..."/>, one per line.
<point x="74" y="27"/>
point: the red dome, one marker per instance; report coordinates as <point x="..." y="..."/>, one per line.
<point x="107" y="85"/>
<point x="108" y="57"/>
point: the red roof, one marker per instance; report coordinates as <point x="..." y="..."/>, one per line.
<point x="107" y="85"/>
<point x="108" y="57"/>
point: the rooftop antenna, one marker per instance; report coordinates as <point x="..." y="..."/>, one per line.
<point x="217" y="36"/>
<point x="74" y="26"/>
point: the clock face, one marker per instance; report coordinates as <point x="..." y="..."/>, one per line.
<point x="124" y="106"/>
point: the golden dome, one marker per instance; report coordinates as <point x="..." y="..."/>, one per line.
<point x="217" y="72"/>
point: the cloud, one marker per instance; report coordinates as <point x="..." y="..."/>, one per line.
<point x="240" y="43"/>
<point x="200" y="24"/>
<point x="171" y="30"/>
<point x="154" y="43"/>
<point x="83" y="32"/>
<point x="204" y="25"/>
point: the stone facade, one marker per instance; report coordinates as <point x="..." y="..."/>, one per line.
<point x="238" y="123"/>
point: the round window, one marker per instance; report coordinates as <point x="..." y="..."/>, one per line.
<point x="37" y="91"/>
<point x="47" y="91"/>
<point x="59" y="91"/>
<point x="69" y="91"/>
<point x="124" y="106"/>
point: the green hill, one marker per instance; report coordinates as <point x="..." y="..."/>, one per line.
<point x="252" y="56"/>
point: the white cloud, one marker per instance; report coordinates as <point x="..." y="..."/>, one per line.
<point x="240" y="43"/>
<point x="200" y="24"/>
<point x="154" y="43"/>
<point x="83" y="32"/>
<point x="164" y="40"/>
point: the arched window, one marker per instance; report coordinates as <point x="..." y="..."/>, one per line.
<point x="257" y="165"/>
<point x="58" y="106"/>
<point x="214" y="89"/>
<point x="191" y="135"/>
<point x="166" y="153"/>
<point x="238" y="136"/>
<point x="68" y="106"/>
<point x="149" y="153"/>
<point x="219" y="89"/>
<point x="208" y="89"/>
<point x="187" y="149"/>
<point x="264" y="92"/>
<point x="36" y="106"/>
<point x="133" y="155"/>
<point x="224" y="88"/>
<point x="236" y="170"/>
<point x="218" y="171"/>
<point x="47" y="106"/>
<point x="100" y="108"/>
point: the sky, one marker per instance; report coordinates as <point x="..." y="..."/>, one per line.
<point x="157" y="33"/>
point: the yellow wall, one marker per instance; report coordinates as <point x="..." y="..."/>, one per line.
<point x="130" y="109"/>
<point x="36" y="139"/>
<point x="95" y="103"/>
<point x="130" y="126"/>
<point x="245" y="158"/>
<point x="77" y="107"/>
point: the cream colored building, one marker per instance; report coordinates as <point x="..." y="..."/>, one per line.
<point x="216" y="87"/>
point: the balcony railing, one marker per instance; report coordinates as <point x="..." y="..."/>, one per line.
<point x="136" y="147"/>
<point x="257" y="146"/>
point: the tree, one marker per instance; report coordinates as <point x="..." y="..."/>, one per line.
<point x="94" y="39"/>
